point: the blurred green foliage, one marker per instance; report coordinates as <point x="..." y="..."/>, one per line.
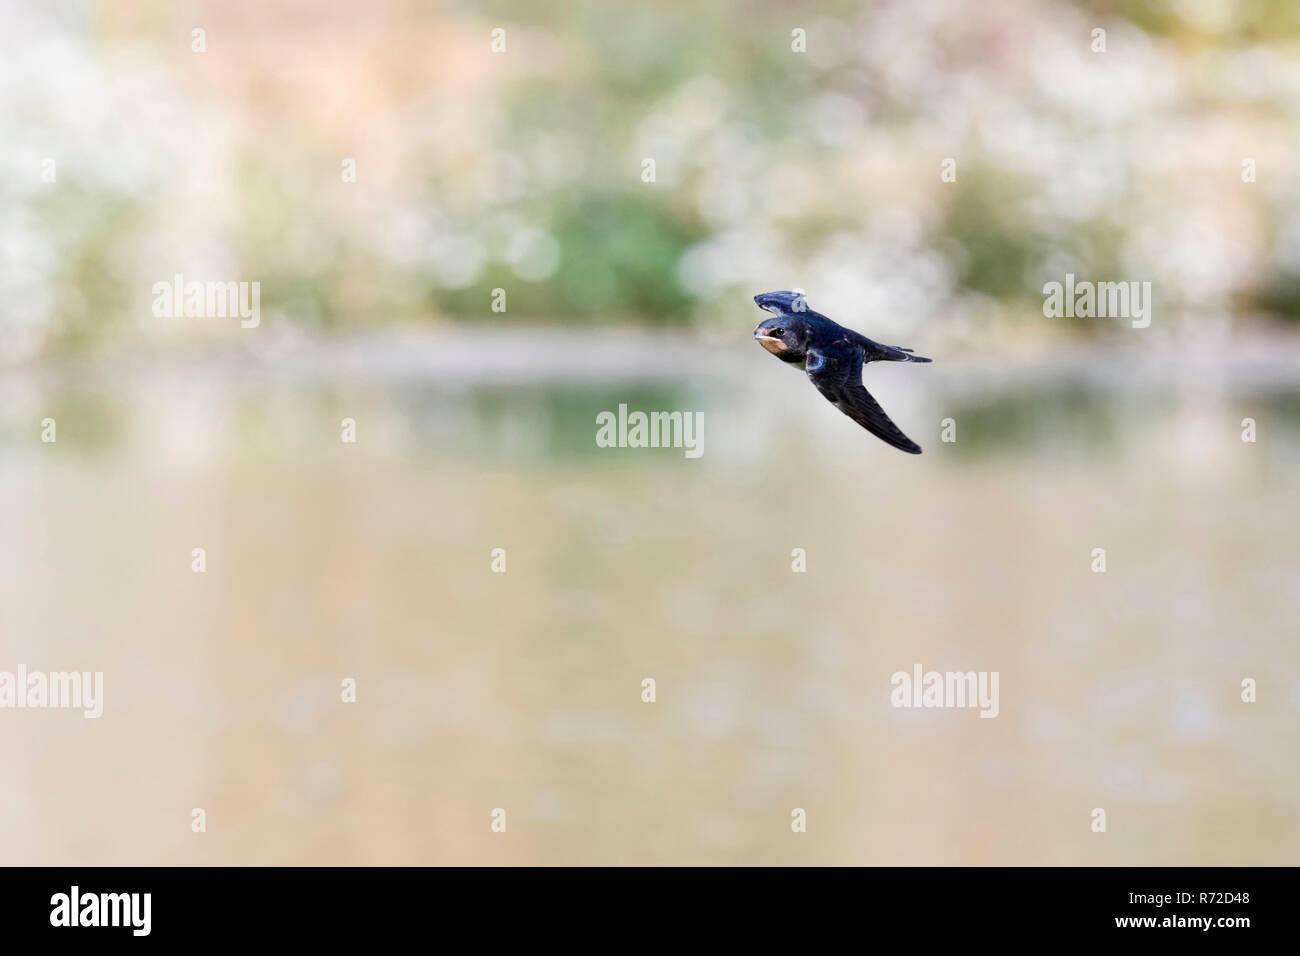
<point x="776" y="167"/>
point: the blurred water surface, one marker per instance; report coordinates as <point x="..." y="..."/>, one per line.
<point x="522" y="690"/>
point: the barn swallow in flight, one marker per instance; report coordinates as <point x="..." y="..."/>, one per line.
<point x="832" y="356"/>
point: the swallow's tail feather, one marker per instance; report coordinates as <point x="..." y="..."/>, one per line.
<point x="896" y="353"/>
<point x="873" y="351"/>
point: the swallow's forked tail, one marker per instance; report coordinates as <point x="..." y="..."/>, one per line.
<point x="896" y="353"/>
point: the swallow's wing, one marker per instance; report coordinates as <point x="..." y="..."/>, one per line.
<point x="837" y="373"/>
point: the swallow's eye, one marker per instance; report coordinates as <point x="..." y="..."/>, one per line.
<point x="778" y="332"/>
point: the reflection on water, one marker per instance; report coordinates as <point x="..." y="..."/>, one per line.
<point x="522" y="690"/>
<point x="557" y="423"/>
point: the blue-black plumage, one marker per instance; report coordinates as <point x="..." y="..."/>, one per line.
<point x="833" y="357"/>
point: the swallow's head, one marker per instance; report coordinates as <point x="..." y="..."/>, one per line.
<point x="784" y="335"/>
<point x="781" y="303"/>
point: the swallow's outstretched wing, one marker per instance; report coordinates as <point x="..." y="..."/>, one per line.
<point x="837" y="373"/>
